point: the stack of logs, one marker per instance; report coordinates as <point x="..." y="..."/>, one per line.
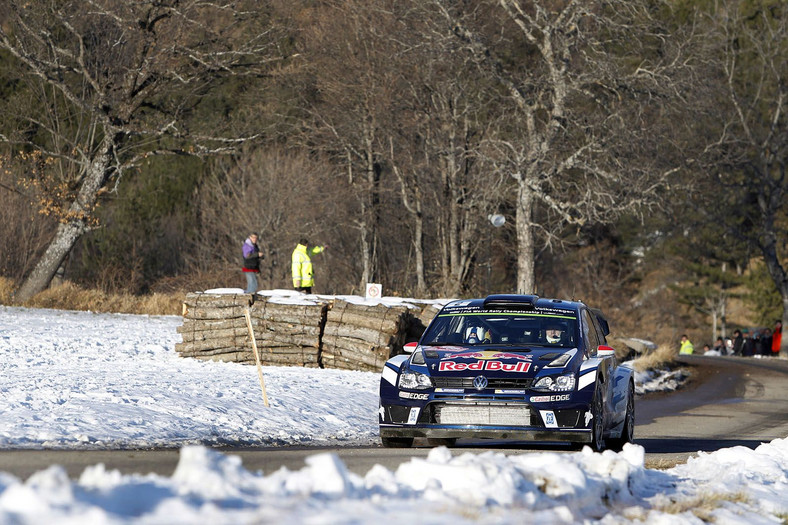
<point x="319" y="332"/>
<point x="361" y="337"/>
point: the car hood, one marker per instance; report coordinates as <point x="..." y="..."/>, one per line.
<point x="492" y="361"/>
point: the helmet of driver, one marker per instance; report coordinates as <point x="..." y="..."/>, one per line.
<point x="553" y="332"/>
<point x="477" y="334"/>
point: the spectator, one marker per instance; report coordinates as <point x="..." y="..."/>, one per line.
<point x="303" y="278"/>
<point x="251" y="267"/>
<point x="706" y="349"/>
<point x="748" y="348"/>
<point x="777" y="337"/>
<point x="765" y="343"/>
<point x="686" y="346"/>
<point x="738" y="342"/>
<point x="719" y="346"/>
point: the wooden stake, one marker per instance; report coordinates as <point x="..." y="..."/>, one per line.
<point x="256" y="354"/>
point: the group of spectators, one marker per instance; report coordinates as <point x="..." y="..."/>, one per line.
<point x="303" y="275"/>
<point x="763" y="342"/>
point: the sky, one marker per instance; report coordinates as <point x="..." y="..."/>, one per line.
<point x="81" y="381"/>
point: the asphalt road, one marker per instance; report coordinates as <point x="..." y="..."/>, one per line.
<point x="729" y="402"/>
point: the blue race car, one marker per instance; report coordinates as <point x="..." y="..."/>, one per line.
<point x="515" y="367"/>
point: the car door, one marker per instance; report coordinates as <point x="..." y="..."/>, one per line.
<point x="605" y="370"/>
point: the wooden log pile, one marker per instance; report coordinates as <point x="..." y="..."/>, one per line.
<point x="288" y="334"/>
<point x="214" y="328"/>
<point x="363" y="337"/>
<point x="322" y="332"/>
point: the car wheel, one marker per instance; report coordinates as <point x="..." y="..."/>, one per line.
<point x="442" y="442"/>
<point x="628" y="432"/>
<point x="397" y="442"/>
<point x="598" y="421"/>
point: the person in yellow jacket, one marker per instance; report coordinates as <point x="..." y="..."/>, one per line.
<point x="686" y="346"/>
<point x="303" y="279"/>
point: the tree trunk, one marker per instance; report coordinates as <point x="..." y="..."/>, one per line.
<point x="778" y="273"/>
<point x="65" y="238"/>
<point x="525" y="239"/>
<point x="723" y="316"/>
<point x="455" y="204"/>
<point x="69" y="232"/>
<point x="418" y="241"/>
<point x="369" y="199"/>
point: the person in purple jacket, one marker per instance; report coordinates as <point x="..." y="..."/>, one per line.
<point x="251" y="265"/>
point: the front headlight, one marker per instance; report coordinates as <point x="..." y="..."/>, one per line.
<point x="555" y="384"/>
<point x="414" y="381"/>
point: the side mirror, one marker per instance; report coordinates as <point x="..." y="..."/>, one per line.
<point x="605" y="351"/>
<point x="410" y="347"/>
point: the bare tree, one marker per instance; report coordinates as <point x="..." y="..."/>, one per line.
<point x="578" y="92"/>
<point x="441" y="178"/>
<point x="743" y="112"/>
<point x="353" y="87"/>
<point x="443" y="111"/>
<point x="132" y="75"/>
<point x="246" y="193"/>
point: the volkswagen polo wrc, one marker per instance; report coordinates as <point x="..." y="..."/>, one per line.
<point x="514" y="367"/>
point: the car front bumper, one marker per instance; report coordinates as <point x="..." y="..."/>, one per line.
<point x="486" y="432"/>
<point x="482" y="419"/>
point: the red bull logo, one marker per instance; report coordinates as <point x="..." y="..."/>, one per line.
<point x="490" y="366"/>
<point x="511" y="355"/>
<point x="465" y="355"/>
<point x="488" y="354"/>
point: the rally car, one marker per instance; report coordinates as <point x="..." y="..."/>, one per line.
<point x="509" y="367"/>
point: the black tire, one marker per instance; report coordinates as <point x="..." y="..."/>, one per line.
<point x="396" y="442"/>
<point x="598" y="422"/>
<point x="628" y="432"/>
<point x="442" y="442"/>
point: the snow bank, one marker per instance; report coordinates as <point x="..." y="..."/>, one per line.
<point x="730" y="486"/>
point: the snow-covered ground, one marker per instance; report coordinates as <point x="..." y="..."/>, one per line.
<point x="78" y="380"/>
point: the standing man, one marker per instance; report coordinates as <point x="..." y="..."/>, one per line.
<point x="303" y="279"/>
<point x="251" y="267"/>
<point x="738" y="342"/>
<point x="686" y="346"/>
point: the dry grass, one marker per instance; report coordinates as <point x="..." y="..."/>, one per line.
<point x="6" y="290"/>
<point x="69" y="296"/>
<point x="704" y="505"/>
<point x="663" y="463"/>
<point x="661" y="357"/>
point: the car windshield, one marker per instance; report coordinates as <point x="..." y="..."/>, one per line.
<point x="482" y="327"/>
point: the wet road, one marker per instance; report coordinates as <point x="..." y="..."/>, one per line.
<point x="730" y="401"/>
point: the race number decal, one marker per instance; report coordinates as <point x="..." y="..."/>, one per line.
<point x="549" y="418"/>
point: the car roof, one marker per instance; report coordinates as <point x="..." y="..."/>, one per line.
<point x="528" y="302"/>
<point x="515" y="302"/>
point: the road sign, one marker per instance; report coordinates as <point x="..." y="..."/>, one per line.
<point x="374" y="291"/>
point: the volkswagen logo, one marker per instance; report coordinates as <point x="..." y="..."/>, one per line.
<point x="480" y="382"/>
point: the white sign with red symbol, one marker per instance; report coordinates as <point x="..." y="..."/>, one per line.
<point x="374" y="291"/>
